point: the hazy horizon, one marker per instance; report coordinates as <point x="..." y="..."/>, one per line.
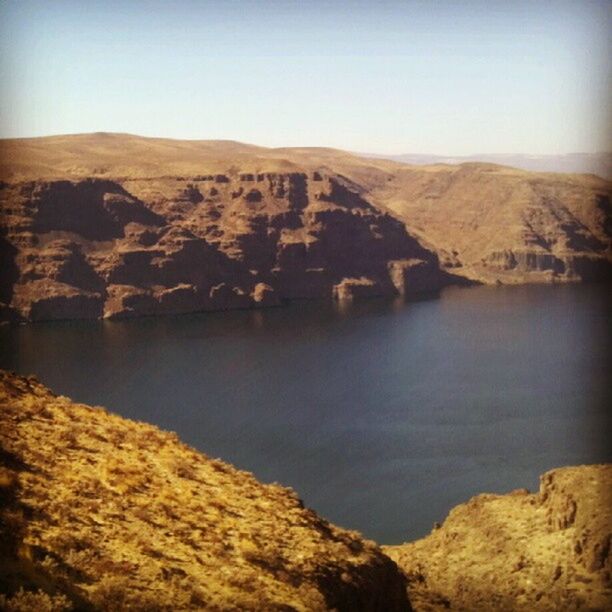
<point x="383" y="155"/>
<point x="423" y="78"/>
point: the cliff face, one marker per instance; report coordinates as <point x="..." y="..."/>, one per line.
<point x="521" y="551"/>
<point x="99" y="512"/>
<point x="100" y="248"/>
<point x="111" y="225"/>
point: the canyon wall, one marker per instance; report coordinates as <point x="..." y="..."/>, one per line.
<point x="96" y="248"/>
<point x="112" y="225"/>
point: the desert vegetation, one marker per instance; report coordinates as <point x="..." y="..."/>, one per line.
<point x="103" y="513"/>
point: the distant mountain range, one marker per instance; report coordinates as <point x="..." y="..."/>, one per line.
<point x="590" y="163"/>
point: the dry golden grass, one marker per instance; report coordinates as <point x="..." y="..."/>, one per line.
<point x="108" y="155"/>
<point x="101" y="513"/>
<point x="105" y="513"/>
<point x="543" y="552"/>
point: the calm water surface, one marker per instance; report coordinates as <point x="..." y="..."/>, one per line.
<point x="382" y="416"/>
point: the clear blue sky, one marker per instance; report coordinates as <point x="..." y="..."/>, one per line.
<point x="396" y="77"/>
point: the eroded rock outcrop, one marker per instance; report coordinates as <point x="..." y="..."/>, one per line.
<point x="107" y="514"/>
<point x="546" y="551"/>
<point x="92" y="248"/>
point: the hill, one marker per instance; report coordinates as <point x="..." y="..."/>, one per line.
<point x="111" y="225"/>
<point x="103" y="513"/>
<point x="570" y="163"/>
<point x="498" y="224"/>
<point x="544" y="551"/>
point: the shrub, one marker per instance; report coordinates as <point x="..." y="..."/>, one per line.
<point x="28" y="601"/>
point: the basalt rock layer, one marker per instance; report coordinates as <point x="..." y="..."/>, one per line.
<point x="546" y="551"/>
<point x="91" y="248"/>
<point x="112" y="225"/>
<point x="101" y="513"/>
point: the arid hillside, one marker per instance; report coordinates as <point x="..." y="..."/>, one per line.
<point x="113" y="225"/>
<point x="498" y="224"/>
<point x="546" y="551"/>
<point x="101" y="513"/>
<point x="159" y="227"/>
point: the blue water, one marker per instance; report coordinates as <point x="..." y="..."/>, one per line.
<point x="382" y="415"/>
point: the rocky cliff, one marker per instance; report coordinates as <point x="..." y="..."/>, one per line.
<point x="101" y="513"/>
<point x="96" y="247"/>
<point x="544" y="551"/>
<point x="112" y="225"/>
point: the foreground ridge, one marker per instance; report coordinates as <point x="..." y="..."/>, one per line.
<point x="98" y="512"/>
<point x="544" y="551"/>
<point x="104" y="513"/>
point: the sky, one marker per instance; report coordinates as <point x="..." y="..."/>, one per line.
<point x="432" y="77"/>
